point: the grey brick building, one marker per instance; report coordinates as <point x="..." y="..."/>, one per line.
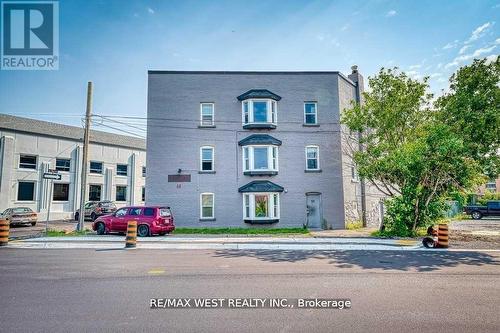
<point x="254" y="149"/>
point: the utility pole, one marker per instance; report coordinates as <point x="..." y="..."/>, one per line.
<point x="83" y="183"/>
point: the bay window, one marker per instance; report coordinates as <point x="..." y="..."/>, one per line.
<point x="260" y="159"/>
<point x="261" y="206"/>
<point x="259" y="111"/>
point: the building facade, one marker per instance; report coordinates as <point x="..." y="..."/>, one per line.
<point x="254" y="149"/>
<point x="29" y="147"/>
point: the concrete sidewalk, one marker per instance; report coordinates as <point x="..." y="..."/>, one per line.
<point x="254" y="243"/>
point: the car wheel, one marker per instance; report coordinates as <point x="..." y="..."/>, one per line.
<point x="93" y="216"/>
<point x="100" y="228"/>
<point x="143" y="230"/>
<point x="476" y="215"/>
<point x="428" y="242"/>
<point x="77" y="216"/>
<point x="33" y="224"/>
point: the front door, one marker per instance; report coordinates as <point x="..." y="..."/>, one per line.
<point x="314" y="212"/>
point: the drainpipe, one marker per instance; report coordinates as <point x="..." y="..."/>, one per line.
<point x="358" y="80"/>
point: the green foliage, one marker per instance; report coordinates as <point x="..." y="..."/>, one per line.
<point x="354" y="225"/>
<point x="482" y="200"/>
<point x="409" y="154"/>
<point x="472" y="110"/>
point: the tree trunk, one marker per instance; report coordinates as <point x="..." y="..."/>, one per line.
<point x="415" y="221"/>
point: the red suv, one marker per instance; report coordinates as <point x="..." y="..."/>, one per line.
<point x="150" y="220"/>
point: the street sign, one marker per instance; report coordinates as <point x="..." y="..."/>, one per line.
<point x="50" y="175"/>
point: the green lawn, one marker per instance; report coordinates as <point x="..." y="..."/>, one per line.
<point x="60" y="233"/>
<point x="240" y="231"/>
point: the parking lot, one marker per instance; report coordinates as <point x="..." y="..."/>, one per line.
<point x="27" y="231"/>
<point x="476" y="234"/>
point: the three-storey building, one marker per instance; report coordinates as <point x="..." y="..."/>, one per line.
<point x="238" y="149"/>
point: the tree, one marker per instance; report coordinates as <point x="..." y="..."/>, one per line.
<point x="407" y="154"/>
<point x="472" y="110"/>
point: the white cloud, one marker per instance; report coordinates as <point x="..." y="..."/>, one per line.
<point x="451" y="45"/>
<point x="439" y="65"/>
<point x="463" y="49"/>
<point x="391" y="13"/>
<point x="479" y="32"/>
<point x="345" y="27"/>
<point x="435" y="75"/>
<point x="491" y="58"/>
<point x="477" y="54"/>
<point x="151" y="10"/>
<point x="415" y="66"/>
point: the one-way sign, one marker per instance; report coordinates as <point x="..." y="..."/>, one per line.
<point x="50" y="175"/>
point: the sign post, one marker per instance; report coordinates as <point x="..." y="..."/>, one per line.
<point x="51" y="175"/>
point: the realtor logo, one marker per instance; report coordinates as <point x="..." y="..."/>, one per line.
<point x="30" y="35"/>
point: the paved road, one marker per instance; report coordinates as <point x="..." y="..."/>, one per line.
<point x="88" y="290"/>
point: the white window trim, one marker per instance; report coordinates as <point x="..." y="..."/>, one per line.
<point x="102" y="169"/>
<point x="201" y="206"/>
<point x="317" y="157"/>
<point x="117" y="164"/>
<point x="102" y="188"/>
<point x="251" y="198"/>
<point x="269" y="102"/>
<point x="316" y="113"/>
<point x="201" y="113"/>
<point x="35" y="188"/>
<point x="69" y="194"/>
<point x="63" y="158"/>
<point x="201" y="158"/>
<point x="30" y="155"/>
<point x="251" y="160"/>
<point x="126" y="193"/>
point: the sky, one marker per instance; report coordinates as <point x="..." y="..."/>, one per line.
<point x="114" y="44"/>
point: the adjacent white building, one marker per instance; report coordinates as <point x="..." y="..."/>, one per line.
<point x="28" y="148"/>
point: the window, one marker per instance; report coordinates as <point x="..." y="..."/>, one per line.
<point x="259" y="111"/>
<point x="312" y="158"/>
<point x="121" y="193"/>
<point x="63" y="164"/>
<point x="261" y="206"/>
<point x="61" y="192"/>
<point x="135" y="211"/>
<point x="27" y="162"/>
<point x="491" y="186"/>
<point x="207" y="206"/>
<point x="121" y="212"/>
<point x="165" y="212"/>
<point x="260" y="158"/>
<point x="143" y="195"/>
<point x="354" y="173"/>
<point x="310" y="113"/>
<point x="95" y="167"/>
<point x="95" y="192"/>
<point x="26" y="191"/>
<point x="149" y="211"/>
<point x="121" y="169"/>
<point x="207" y="158"/>
<point x="207" y="114"/>
<point x="144" y="171"/>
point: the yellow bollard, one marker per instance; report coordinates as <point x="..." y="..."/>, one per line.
<point x="4" y="232"/>
<point x="131" y="239"/>
<point x="443" y="235"/>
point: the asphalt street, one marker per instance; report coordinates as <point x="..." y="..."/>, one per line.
<point x="87" y="290"/>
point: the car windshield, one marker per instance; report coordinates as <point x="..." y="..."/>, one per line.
<point x="89" y="204"/>
<point x="165" y="212"/>
<point x="21" y="210"/>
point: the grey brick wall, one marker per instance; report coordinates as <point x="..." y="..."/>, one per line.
<point x="174" y="140"/>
